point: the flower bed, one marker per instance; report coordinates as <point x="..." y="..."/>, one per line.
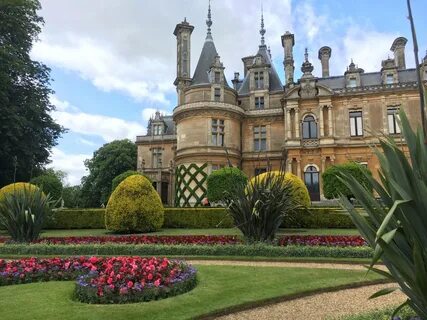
<point x="340" y="241"/>
<point x="106" y="280"/>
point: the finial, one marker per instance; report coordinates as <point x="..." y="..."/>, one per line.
<point x="306" y="55"/>
<point x="262" y="30"/>
<point x="209" y="20"/>
<point x="185" y="19"/>
<point x="269" y="51"/>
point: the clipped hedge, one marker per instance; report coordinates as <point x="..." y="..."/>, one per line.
<point x="256" y="250"/>
<point x="224" y="181"/>
<point x="202" y="218"/>
<point x="15" y="187"/>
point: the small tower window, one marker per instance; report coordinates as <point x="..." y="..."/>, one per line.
<point x="217" y="132"/>
<point x="259" y="80"/>
<point x="157" y="129"/>
<point x="217" y="77"/>
<point x="389" y="78"/>
<point x="259" y="103"/>
<point x="217" y="94"/>
<point x="260" y="138"/>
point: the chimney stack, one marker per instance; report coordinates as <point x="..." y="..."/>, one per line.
<point x="398" y="49"/>
<point x="324" y="56"/>
<point x="288" y="43"/>
<point x="247" y="62"/>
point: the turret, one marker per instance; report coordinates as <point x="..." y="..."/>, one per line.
<point x="324" y="56"/>
<point x="288" y="43"/>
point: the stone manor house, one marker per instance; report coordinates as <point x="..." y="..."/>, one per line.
<point x="250" y="122"/>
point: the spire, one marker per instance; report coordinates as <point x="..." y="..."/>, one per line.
<point x="306" y="55"/>
<point x="262" y="30"/>
<point x="209" y="22"/>
<point x="306" y="67"/>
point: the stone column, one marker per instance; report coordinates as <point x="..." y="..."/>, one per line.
<point x="288" y="124"/>
<point x="289" y="165"/>
<point x="297" y="124"/>
<point x="299" y="168"/>
<point x="321" y="122"/>
<point x="330" y="122"/>
<point x="323" y="164"/>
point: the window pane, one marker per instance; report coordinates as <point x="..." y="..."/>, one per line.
<point x="359" y="126"/>
<point x="256" y="144"/>
<point x="391" y="127"/>
<point x="263" y="144"/>
<point x="305" y="130"/>
<point x="352" y="126"/>
<point x="214" y="139"/>
<point x="313" y="130"/>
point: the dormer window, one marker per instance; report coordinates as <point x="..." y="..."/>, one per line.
<point x="389" y="78"/>
<point x="259" y="80"/>
<point x="352" y="83"/>
<point x="259" y="103"/>
<point x="217" y="78"/>
<point x="157" y="129"/>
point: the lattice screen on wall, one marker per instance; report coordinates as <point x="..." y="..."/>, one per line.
<point x="190" y="185"/>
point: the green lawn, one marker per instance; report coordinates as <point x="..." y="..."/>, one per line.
<point x="229" y="231"/>
<point x="219" y="287"/>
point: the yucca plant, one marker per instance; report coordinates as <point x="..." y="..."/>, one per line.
<point x="397" y="224"/>
<point x="258" y="209"/>
<point x="24" y="212"/>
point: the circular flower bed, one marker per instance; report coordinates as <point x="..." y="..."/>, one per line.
<point x="106" y="280"/>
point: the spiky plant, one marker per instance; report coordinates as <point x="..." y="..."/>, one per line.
<point x="397" y="224"/>
<point x="259" y="208"/>
<point x="24" y="212"/>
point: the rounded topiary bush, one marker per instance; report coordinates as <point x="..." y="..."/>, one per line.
<point x="134" y="206"/>
<point x="223" y="181"/>
<point x="15" y="187"/>
<point x="333" y="187"/>
<point x="300" y="192"/>
<point x="116" y="181"/>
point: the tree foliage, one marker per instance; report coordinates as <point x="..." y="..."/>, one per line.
<point x="72" y="197"/>
<point x="27" y="131"/>
<point x="107" y="162"/>
<point x="221" y="182"/>
<point x="50" y="184"/>
<point x="333" y="187"/>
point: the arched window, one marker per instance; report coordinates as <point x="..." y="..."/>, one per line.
<point x="309" y="128"/>
<point x="311" y="180"/>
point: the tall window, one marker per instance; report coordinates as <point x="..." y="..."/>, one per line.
<point x="309" y="128"/>
<point x="259" y="103"/>
<point x="157" y="129"/>
<point x="260" y="138"/>
<point x="393" y="126"/>
<point x="260" y="170"/>
<point x="217" y="77"/>
<point x="217" y="93"/>
<point x="217" y="132"/>
<point x="259" y="80"/>
<point x="157" y="157"/>
<point x="389" y="79"/>
<point x="352" y="82"/>
<point x="356" y="124"/>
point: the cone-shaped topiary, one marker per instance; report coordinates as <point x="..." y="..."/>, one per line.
<point x="14" y="187"/>
<point x="134" y="206"/>
<point x="300" y="192"/>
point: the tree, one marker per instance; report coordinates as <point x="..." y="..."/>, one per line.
<point x="27" y="131"/>
<point x="223" y="181"/>
<point x="332" y="185"/>
<point x="71" y="196"/>
<point x="107" y="162"/>
<point x="49" y="183"/>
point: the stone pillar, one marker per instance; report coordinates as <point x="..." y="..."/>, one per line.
<point x="297" y="124"/>
<point x="323" y="164"/>
<point x="330" y="122"/>
<point x="289" y="165"/>
<point x="299" y="168"/>
<point x="321" y="122"/>
<point x="288" y="124"/>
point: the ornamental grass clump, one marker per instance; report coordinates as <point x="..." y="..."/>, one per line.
<point x="24" y="209"/>
<point x="397" y="224"/>
<point x="258" y="209"/>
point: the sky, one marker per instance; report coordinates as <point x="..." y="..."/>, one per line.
<point x="113" y="63"/>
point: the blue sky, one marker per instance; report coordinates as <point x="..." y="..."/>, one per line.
<point x="113" y="62"/>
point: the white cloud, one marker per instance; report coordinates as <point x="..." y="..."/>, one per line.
<point x="72" y="164"/>
<point x="61" y="105"/>
<point x="87" y="142"/>
<point x="310" y="22"/>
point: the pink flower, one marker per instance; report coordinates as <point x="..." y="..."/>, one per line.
<point x="130" y="284"/>
<point x="157" y="282"/>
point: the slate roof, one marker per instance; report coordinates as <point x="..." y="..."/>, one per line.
<point x="368" y="79"/>
<point x="207" y="57"/>
<point x="169" y="125"/>
<point x="274" y="80"/>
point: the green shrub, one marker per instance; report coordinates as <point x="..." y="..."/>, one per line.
<point x="50" y="184"/>
<point x="224" y="181"/>
<point x="116" y="181"/>
<point x="319" y="218"/>
<point x="194" y="218"/>
<point x="134" y="206"/>
<point x="333" y="187"/>
<point x="299" y="190"/>
<point x="15" y="187"/>
<point x="77" y="219"/>
<point x="241" y="250"/>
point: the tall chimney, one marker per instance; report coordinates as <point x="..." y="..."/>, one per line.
<point x="247" y="62"/>
<point x="324" y="56"/>
<point x="288" y="43"/>
<point x="398" y="48"/>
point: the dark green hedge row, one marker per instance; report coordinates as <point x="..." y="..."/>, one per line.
<point x="77" y="219"/>
<point x="258" y="250"/>
<point x="319" y="219"/>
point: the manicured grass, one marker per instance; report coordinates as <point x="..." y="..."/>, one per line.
<point x="219" y="287"/>
<point x="174" y="232"/>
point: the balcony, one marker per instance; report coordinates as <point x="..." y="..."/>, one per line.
<point x="309" y="143"/>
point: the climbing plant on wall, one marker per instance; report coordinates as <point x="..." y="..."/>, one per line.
<point x="190" y="185"/>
